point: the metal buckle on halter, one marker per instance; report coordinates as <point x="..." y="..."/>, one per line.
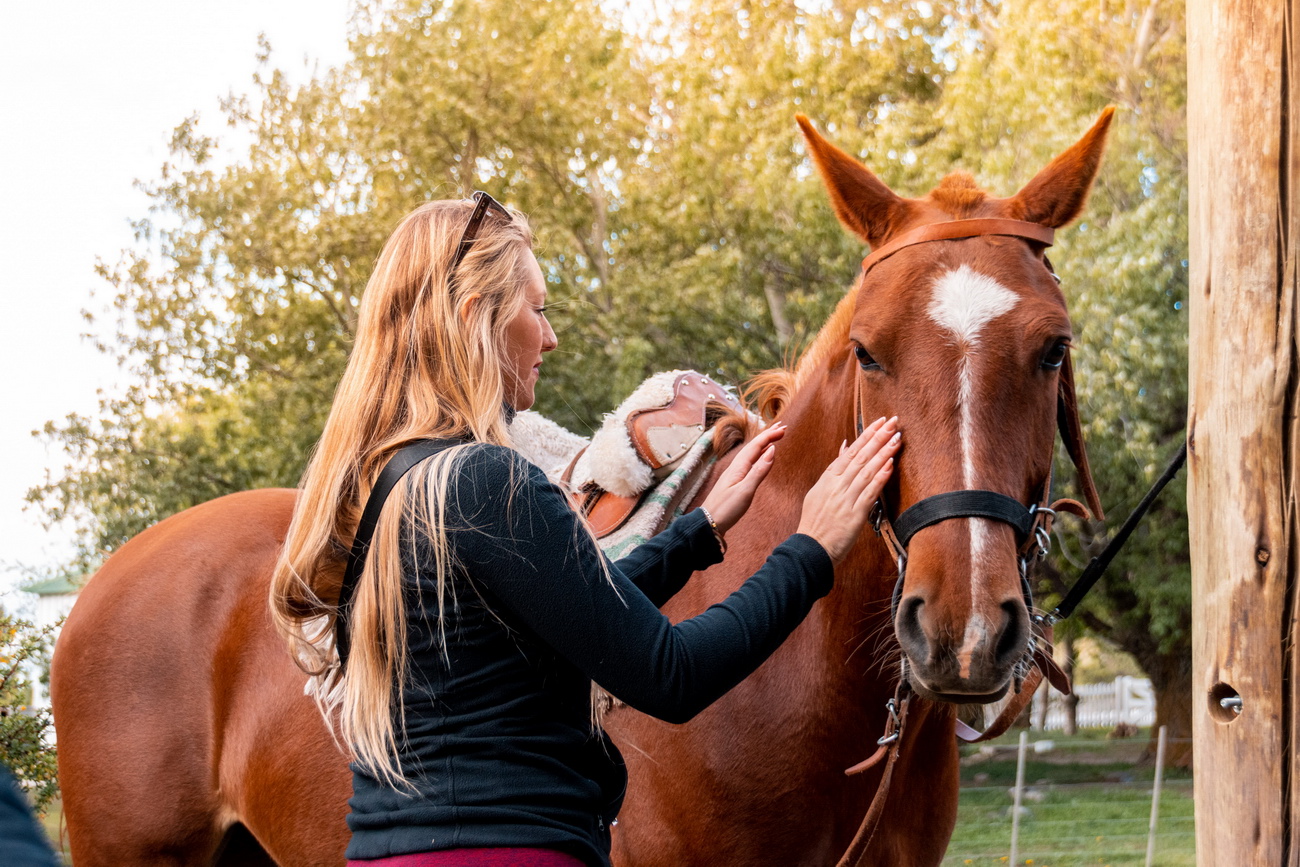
<point x="876" y="516"/>
<point x="1042" y="537"/>
<point x="885" y="740"/>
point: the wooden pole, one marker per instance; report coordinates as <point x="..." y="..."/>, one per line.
<point x="1242" y="431"/>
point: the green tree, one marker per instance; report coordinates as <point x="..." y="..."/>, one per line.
<point x="24" y="729"/>
<point x="234" y="314"/>
<point x="732" y="257"/>
<point x="653" y="168"/>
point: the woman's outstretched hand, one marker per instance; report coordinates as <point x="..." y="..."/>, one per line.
<point x="731" y="496"/>
<point x="838" y="504"/>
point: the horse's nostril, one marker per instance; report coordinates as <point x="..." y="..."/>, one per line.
<point x="1014" y="635"/>
<point x="911" y="634"/>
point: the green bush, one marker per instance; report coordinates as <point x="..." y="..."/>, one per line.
<point x="25" y="746"/>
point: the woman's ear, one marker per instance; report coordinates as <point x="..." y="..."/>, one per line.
<point x="467" y="306"/>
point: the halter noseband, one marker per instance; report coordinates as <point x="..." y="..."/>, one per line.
<point x="1031" y="523"/>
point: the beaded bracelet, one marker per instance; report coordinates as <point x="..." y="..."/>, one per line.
<point x="717" y="534"/>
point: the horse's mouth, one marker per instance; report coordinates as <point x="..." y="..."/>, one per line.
<point x="959" y="697"/>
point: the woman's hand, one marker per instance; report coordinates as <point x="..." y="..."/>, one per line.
<point x="837" y="506"/>
<point x="731" y="496"/>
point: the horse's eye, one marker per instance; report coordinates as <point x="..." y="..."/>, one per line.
<point x="1055" y="356"/>
<point x="865" y="359"/>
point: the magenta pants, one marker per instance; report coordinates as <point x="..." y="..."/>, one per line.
<point x="494" y="857"/>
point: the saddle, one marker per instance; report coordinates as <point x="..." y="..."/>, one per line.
<point x="659" y="428"/>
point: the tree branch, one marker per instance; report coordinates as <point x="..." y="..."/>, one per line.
<point x="344" y="322"/>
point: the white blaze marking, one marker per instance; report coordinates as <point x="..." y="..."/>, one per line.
<point x="964" y="301"/>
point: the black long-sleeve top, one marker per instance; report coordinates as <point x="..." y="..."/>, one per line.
<point x="498" y="742"/>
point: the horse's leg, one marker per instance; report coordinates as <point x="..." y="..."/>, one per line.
<point x="286" y="778"/>
<point x="146" y="712"/>
<point x="134" y="743"/>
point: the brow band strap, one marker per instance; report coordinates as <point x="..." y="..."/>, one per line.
<point x="957" y="229"/>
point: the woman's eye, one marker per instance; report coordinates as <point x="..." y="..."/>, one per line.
<point x="865" y="359"/>
<point x="1055" y="356"/>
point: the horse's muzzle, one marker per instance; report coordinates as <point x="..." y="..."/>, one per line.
<point x="975" y="666"/>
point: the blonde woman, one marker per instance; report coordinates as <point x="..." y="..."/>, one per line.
<point x="480" y="612"/>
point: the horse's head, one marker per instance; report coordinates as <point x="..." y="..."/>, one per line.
<point x="966" y="339"/>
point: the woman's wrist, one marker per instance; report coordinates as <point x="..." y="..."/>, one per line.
<point x="717" y="534"/>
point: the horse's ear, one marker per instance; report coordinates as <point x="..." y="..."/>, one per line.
<point x="1057" y="194"/>
<point x="1067" y="420"/>
<point x="861" y="200"/>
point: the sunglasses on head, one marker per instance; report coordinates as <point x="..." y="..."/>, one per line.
<point x="482" y="204"/>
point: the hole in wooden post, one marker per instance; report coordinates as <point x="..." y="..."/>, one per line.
<point x="1225" y="703"/>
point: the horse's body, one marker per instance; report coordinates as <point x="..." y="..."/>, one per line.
<point x="186" y="738"/>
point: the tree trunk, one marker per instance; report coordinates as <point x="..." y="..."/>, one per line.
<point x="1071" y="703"/>
<point x="1173" y="692"/>
<point x="775" y="295"/>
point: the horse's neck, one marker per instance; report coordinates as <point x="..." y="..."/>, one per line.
<point x="846" y="646"/>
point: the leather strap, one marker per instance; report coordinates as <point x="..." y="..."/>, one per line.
<point x="956" y="229"/>
<point x="1010" y="713"/>
<point x="1071" y="428"/>
<point x="889" y="747"/>
<point x="398" y="466"/>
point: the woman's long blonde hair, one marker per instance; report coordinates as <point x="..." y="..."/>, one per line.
<point x="427" y="362"/>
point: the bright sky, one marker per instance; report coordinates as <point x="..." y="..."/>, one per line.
<point x="89" y="94"/>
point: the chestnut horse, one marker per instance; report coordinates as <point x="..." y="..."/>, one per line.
<point x="185" y="736"/>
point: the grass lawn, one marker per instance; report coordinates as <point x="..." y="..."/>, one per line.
<point x="1088" y="802"/>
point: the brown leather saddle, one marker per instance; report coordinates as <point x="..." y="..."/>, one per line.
<point x="661" y="436"/>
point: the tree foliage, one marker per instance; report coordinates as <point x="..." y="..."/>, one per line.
<point x="24" y="748"/>
<point x="678" y="222"/>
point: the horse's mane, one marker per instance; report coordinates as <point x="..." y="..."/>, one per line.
<point x="959" y="195"/>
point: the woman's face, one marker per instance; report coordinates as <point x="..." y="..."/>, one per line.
<point x="528" y="335"/>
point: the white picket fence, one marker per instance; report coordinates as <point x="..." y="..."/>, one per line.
<point x="1125" y="699"/>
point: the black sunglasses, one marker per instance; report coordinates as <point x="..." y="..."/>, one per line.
<point x="482" y="203"/>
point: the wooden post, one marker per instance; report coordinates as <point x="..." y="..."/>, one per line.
<point x="1019" y="796"/>
<point x="1242" y="431"/>
<point x="1155" y="797"/>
